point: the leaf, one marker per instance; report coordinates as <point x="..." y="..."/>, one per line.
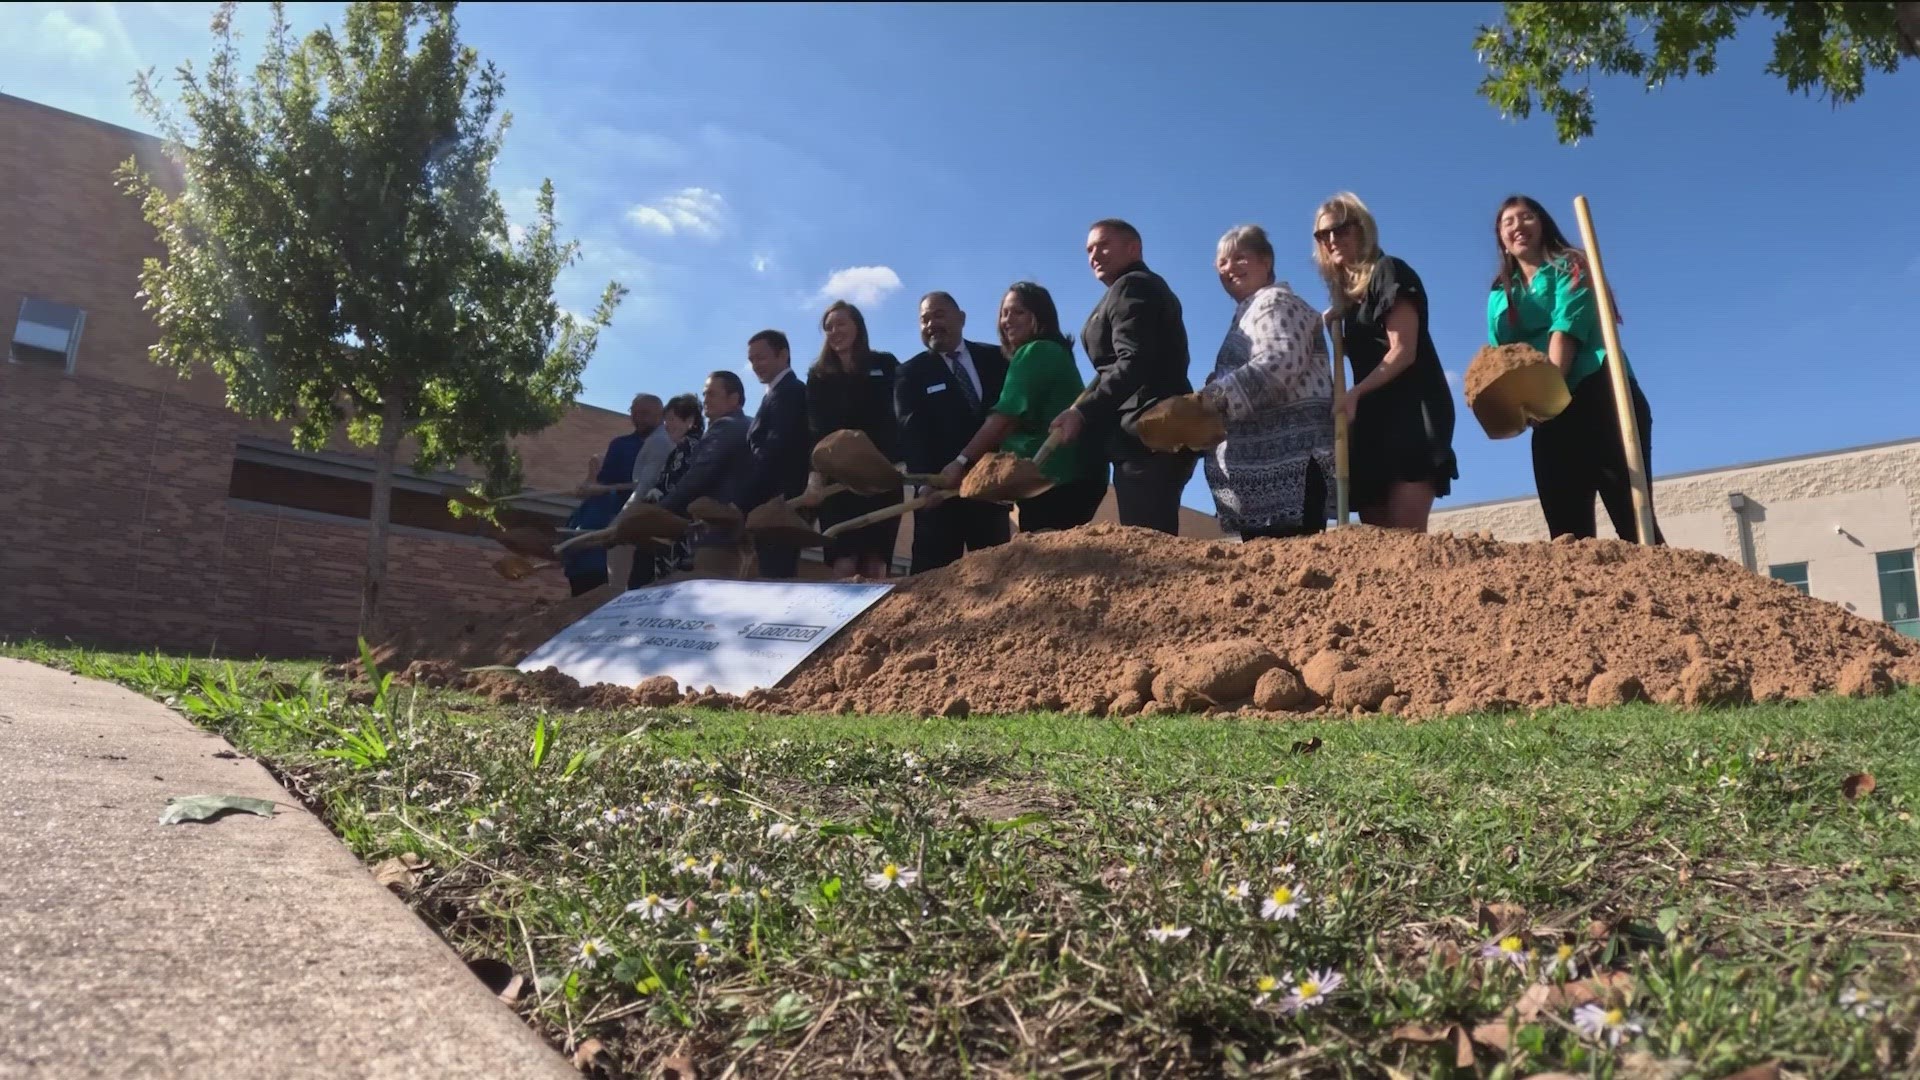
<point x="498" y="975"/>
<point x="1496" y="1035"/>
<point x="1422" y="1033"/>
<point x="1537" y="997"/>
<point x="587" y="1054"/>
<point x="1032" y="817"/>
<point x="400" y="873"/>
<point x="209" y="807"/>
<point x="678" y="1067"/>
<point x="1667" y="920"/>
<point x="1462" y="1048"/>
<point x="1572" y="995"/>
<point x="1768" y="1071"/>
<point x="1857" y="786"/>
<point x="1307" y="746"/>
<point x="1499" y="918"/>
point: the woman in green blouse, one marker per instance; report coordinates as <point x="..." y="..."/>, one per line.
<point x="1042" y="382"/>
<point x="1543" y="296"/>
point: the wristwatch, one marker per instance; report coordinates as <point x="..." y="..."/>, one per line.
<point x="961" y="459"/>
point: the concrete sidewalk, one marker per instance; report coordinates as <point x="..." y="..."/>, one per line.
<point x="244" y="947"/>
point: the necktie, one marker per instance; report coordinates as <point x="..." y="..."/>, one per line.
<point x="964" y="381"/>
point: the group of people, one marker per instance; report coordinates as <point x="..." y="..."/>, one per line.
<point x="1271" y="385"/>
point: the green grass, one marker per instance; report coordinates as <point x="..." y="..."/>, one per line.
<point x="1707" y="865"/>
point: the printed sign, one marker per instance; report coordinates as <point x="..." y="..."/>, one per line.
<point x="734" y="636"/>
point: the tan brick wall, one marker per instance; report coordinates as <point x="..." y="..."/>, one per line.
<point x="1872" y="493"/>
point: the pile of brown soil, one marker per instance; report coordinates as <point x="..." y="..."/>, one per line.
<point x="1116" y="621"/>
<point x="1493" y="362"/>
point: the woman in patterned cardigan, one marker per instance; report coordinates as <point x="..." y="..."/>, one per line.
<point x="1274" y="386"/>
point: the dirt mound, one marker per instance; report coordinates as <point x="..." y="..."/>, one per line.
<point x="1117" y="621"/>
<point x="1111" y="620"/>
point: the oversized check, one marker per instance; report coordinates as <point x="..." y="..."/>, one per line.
<point x="734" y="636"/>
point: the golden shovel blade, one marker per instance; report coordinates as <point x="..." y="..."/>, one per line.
<point x="1185" y="422"/>
<point x="774" y="522"/>
<point x="849" y="457"/>
<point x="1003" y="477"/>
<point x="1511" y="387"/>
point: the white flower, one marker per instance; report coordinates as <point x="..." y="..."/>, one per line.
<point x="1264" y="988"/>
<point x="782" y="830"/>
<point x="591" y="950"/>
<point x="1237" y="892"/>
<point x="1728" y="781"/>
<point x="1166" y="932"/>
<point x="1312" y="990"/>
<point x="754" y="813"/>
<point x="687" y="866"/>
<point x="1509" y="948"/>
<point x="709" y="801"/>
<point x="1277" y="825"/>
<point x="909" y="761"/>
<point x="1282" y="903"/>
<point x="1611" y="1025"/>
<point x="1314" y="840"/>
<point x="734" y="895"/>
<point x="1560" y="964"/>
<point x="710" y="933"/>
<point x="653" y="906"/>
<point x="1860" y="1002"/>
<point x="891" y="876"/>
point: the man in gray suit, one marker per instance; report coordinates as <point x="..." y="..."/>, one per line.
<point x="720" y="468"/>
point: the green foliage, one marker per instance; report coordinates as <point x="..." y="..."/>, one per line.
<point x="336" y="253"/>
<point x="1543" y="48"/>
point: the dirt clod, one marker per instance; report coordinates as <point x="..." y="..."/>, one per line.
<point x="1319" y="672"/>
<point x="1361" y="688"/>
<point x="661" y="690"/>
<point x="1707" y="683"/>
<point x="1863" y="678"/>
<point x="1279" y="690"/>
<point x="1223" y="673"/>
<point x="1614" y="688"/>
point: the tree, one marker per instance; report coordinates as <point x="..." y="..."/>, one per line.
<point x="337" y="253"/>
<point x="1827" y="47"/>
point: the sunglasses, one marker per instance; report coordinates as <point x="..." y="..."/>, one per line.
<point x="1325" y="235"/>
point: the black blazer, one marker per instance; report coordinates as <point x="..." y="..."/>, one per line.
<point x="861" y="400"/>
<point x="935" y="423"/>
<point x="1137" y="341"/>
<point x="719" y="465"/>
<point x="778" y="446"/>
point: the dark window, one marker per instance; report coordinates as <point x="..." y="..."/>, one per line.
<point x="321" y="492"/>
<point x="1899" y="600"/>
<point x="1793" y="573"/>
<point x="47" y="333"/>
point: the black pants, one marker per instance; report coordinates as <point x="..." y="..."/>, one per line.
<point x="1065" y="506"/>
<point x="644" y="568"/>
<point x="586" y="583"/>
<point x="1313" y="511"/>
<point x="1147" y="488"/>
<point x="942" y="534"/>
<point x="778" y="561"/>
<point x="1578" y="455"/>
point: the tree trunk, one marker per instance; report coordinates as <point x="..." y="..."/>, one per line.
<point x="388" y="449"/>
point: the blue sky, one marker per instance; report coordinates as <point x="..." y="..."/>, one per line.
<point x="737" y="166"/>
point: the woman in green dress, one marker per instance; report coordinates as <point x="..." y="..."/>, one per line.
<point x="1042" y="382"/>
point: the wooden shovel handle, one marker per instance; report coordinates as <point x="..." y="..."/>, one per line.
<point x="1340" y="473"/>
<point x="1047" y="448"/>
<point x="931" y="498"/>
<point x="596" y="536"/>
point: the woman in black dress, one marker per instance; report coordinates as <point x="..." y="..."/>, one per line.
<point x="851" y="386"/>
<point x="1400" y="409"/>
<point x="684" y="425"/>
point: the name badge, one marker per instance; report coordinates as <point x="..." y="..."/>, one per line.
<point x="936" y="387"/>
<point x="881" y="372"/>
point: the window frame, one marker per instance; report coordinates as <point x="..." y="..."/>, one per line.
<point x="1909" y="626"/>
<point x="73" y="336"/>
<point x="1802" y="582"/>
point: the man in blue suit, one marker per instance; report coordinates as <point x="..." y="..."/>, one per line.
<point x="779" y="443"/>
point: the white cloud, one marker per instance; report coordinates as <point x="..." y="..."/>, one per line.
<point x="58" y="32"/>
<point x="861" y="285"/>
<point x="761" y="262"/>
<point x="689" y="210"/>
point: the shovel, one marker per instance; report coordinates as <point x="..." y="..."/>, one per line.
<point x="775" y="522"/>
<point x="1004" y="477"/>
<point x="1185" y="422"/>
<point x="1510" y="388"/>
<point x="642" y="521"/>
<point x="1340" y="473"/>
<point x="716" y="515"/>
<point x="530" y="541"/>
<point x="515" y="567"/>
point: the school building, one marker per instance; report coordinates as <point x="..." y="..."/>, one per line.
<point x="1840" y="525"/>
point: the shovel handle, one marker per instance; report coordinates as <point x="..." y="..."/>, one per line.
<point x="1053" y="440"/>
<point x="1339" y="425"/>
<point x="931" y="498"/>
<point x="594" y="537"/>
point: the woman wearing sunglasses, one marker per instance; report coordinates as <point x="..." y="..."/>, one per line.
<point x="1400" y="410"/>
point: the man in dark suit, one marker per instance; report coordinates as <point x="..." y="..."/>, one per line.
<point x="1137" y="340"/>
<point x="779" y="444"/>
<point x="942" y="396"/>
<point x="720" y="463"/>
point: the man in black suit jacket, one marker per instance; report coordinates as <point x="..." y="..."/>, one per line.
<point x="720" y="465"/>
<point x="779" y="443"/>
<point x="1137" y="341"/>
<point x="942" y="396"/>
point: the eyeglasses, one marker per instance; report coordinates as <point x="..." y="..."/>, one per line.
<point x="1326" y="235"/>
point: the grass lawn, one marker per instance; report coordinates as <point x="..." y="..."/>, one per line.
<point x="1061" y="896"/>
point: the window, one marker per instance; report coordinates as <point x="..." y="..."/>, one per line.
<point x="1793" y="573"/>
<point x="47" y="333"/>
<point x="1899" y="604"/>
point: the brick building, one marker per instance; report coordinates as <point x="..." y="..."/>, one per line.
<point x="143" y="512"/>
<point x="1841" y="526"/>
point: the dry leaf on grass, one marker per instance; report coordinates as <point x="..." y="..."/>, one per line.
<point x="678" y="1067"/>
<point x="1500" y="918"/>
<point x="1541" y="998"/>
<point x="587" y="1054"/>
<point x="1857" y="786"/>
<point x="1307" y="746"/>
<point x="1453" y="1034"/>
<point x="1768" y="1071"/>
<point x="400" y="873"/>
<point x="209" y="807"/>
